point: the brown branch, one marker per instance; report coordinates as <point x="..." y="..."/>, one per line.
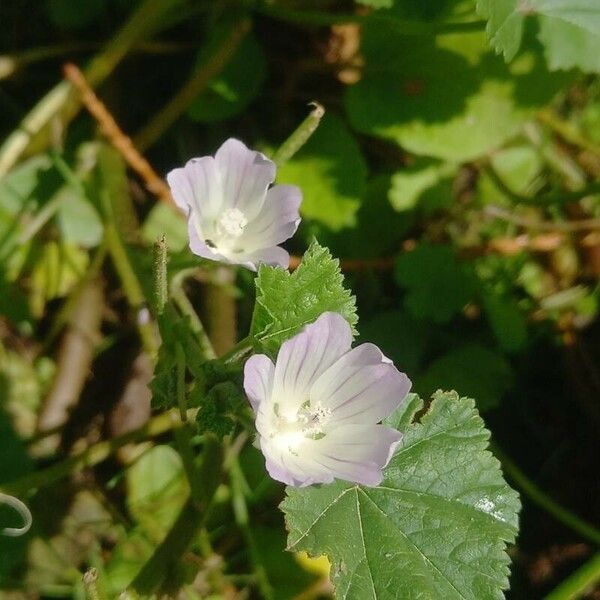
<point x="122" y="143"/>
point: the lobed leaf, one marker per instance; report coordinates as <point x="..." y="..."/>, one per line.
<point x="568" y="29"/>
<point x="286" y="302"/>
<point x="436" y="528"/>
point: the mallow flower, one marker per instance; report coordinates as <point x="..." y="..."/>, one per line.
<point x="319" y="407"/>
<point x="233" y="215"/>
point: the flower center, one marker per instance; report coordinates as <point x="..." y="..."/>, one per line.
<point x="292" y="430"/>
<point x="231" y="223"/>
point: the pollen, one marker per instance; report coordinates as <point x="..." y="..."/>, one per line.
<point x="231" y="223"/>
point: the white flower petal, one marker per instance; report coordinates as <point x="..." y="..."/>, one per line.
<point x="258" y="379"/>
<point x="278" y="219"/>
<point x="233" y="216"/>
<point x="247" y="175"/>
<point x="302" y="359"/>
<point x="198" y="187"/>
<point x="362" y="386"/>
<point x="364" y="444"/>
<point x="275" y="256"/>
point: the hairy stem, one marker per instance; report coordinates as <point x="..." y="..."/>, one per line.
<point x="300" y="136"/>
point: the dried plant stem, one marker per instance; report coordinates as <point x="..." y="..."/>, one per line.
<point x="198" y="82"/>
<point x="74" y="360"/>
<point x="121" y="142"/>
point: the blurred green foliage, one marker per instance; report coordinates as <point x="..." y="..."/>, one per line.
<point x="455" y="175"/>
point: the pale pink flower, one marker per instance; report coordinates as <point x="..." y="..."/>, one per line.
<point x="233" y="214"/>
<point x="319" y="407"/>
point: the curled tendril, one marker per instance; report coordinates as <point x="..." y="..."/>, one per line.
<point x="23" y="511"/>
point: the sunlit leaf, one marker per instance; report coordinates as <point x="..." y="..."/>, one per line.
<point x="447" y="97"/>
<point x="436" y="528"/>
<point x="156" y="490"/>
<point x="331" y="171"/>
<point x="569" y="29"/>
<point x="286" y="302"/>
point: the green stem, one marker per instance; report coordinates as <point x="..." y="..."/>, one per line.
<point x="161" y="294"/>
<point x="567" y="131"/>
<point x="180" y="382"/>
<point x="239" y="351"/>
<point x="185" y="307"/>
<point x="400" y="26"/>
<point x="61" y="99"/>
<point x="576" y="585"/>
<point x="539" y="497"/>
<point x="300" y="136"/>
<point x="180" y="536"/>
<point x="90" y="585"/>
<point x="92" y="456"/>
<point x="11" y="63"/>
<point x="186" y="528"/>
<point x="129" y="280"/>
<point x="240" y="511"/>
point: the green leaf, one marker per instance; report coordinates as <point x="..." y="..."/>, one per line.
<point x="164" y="220"/>
<point x="447" y="97"/>
<point x="437" y="284"/>
<point x="436" y="528"/>
<point x="56" y="270"/>
<point x="506" y="320"/>
<point x="426" y="183"/>
<point x="239" y="83"/>
<point x="379" y="231"/>
<point x="518" y="167"/>
<point x="474" y="370"/>
<point x="568" y="29"/>
<point x="286" y="302"/>
<point x="570" y="45"/>
<point x="156" y="490"/>
<point x="332" y="173"/>
<point x="78" y="221"/>
<point x="218" y="410"/>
